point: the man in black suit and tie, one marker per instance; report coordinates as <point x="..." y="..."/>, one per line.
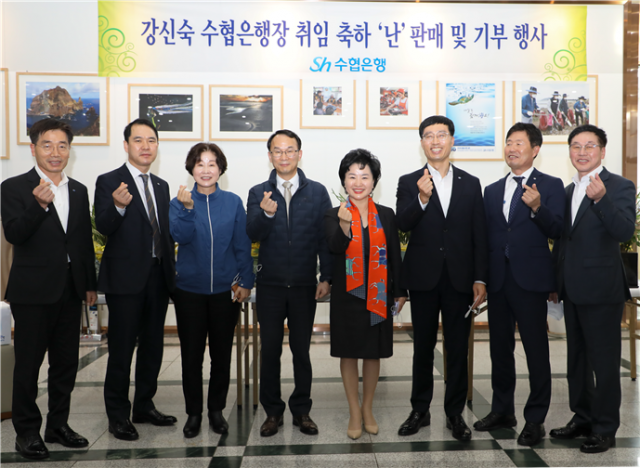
<point x="137" y="275"/>
<point x="444" y="269"/>
<point x="524" y="209"/>
<point x="46" y="216"/>
<point x="600" y="214"/>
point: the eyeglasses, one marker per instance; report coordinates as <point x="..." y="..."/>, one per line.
<point x="63" y="148"/>
<point x="589" y="147"/>
<point x="289" y="153"/>
<point x="441" y="136"/>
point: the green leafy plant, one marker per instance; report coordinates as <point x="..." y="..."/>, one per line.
<point x="635" y="240"/>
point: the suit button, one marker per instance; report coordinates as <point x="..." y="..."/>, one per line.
<point x="563" y="258"/>
<point x="444" y="230"/>
<point x="569" y="237"/>
<point x="508" y="229"/>
<point x="441" y="249"/>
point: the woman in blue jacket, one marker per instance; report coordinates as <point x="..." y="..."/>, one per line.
<point x="214" y="273"/>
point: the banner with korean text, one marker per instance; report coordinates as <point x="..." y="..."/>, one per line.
<point x="139" y="38"/>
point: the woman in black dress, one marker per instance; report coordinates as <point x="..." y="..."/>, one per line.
<point x="363" y="239"/>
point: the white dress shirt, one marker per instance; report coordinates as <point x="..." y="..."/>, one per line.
<point x="60" y="197"/>
<point x="510" y="187"/>
<point x="580" y="190"/>
<point x="443" y="185"/>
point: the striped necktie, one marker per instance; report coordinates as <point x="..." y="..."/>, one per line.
<point x="157" y="247"/>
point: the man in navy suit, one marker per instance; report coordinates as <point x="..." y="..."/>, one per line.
<point x="444" y="269"/>
<point x="524" y="209"/>
<point x="46" y="217"/>
<point x="137" y="275"/>
<point x="600" y="214"/>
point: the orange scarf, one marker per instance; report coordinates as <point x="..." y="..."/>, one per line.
<point x="377" y="268"/>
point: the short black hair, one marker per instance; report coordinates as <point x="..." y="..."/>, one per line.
<point x="363" y="158"/>
<point x="195" y="155"/>
<point x="533" y="133"/>
<point x="127" y="129"/>
<point x="43" y="126"/>
<point x="601" y="134"/>
<point x="285" y="132"/>
<point x="437" y="119"/>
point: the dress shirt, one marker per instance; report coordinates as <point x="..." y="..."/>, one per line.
<point x="295" y="183"/>
<point x="60" y="196"/>
<point x="510" y="187"/>
<point x="580" y="190"/>
<point x="443" y="186"/>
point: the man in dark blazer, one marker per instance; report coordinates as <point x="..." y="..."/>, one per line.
<point x="600" y="214"/>
<point x="46" y="216"/>
<point x="444" y="269"/>
<point x="286" y="214"/>
<point x="524" y="210"/>
<point x="137" y="275"/>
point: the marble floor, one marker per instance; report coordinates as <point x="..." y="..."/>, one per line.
<point x="243" y="446"/>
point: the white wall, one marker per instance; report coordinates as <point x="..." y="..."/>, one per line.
<point x="55" y="36"/>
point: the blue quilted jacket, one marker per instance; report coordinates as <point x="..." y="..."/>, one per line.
<point x="289" y="253"/>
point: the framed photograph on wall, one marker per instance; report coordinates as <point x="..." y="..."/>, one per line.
<point x="244" y="112"/>
<point x="175" y="110"/>
<point x="81" y="100"/>
<point x="328" y="103"/>
<point x="4" y="113"/>
<point x="477" y="111"/>
<point x="556" y="107"/>
<point x="394" y="106"/>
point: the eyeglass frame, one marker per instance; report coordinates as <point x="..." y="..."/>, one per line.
<point x="49" y="151"/>
<point x="589" y="147"/>
<point x="284" y="153"/>
<point x="440" y="136"/>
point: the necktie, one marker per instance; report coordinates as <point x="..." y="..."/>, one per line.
<point x="287" y="194"/>
<point x="517" y="196"/>
<point x="152" y="216"/>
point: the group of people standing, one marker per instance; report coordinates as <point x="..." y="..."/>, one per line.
<point x="462" y="246"/>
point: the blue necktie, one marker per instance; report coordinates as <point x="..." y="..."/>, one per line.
<point x="517" y="197"/>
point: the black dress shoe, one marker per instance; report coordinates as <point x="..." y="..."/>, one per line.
<point x="570" y="431"/>
<point x="66" y="436"/>
<point x="598" y="443"/>
<point x="459" y="428"/>
<point x="306" y="424"/>
<point x="494" y="421"/>
<point x="31" y="446"/>
<point x="123" y="429"/>
<point x="192" y="426"/>
<point x="414" y="422"/>
<point x="270" y="425"/>
<point x="154" y="417"/>
<point x="531" y="435"/>
<point x="217" y="422"/>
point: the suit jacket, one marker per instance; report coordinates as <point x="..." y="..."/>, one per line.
<point x="589" y="266"/>
<point x="126" y="261"/>
<point x="529" y="254"/>
<point x="461" y="237"/>
<point x="42" y="249"/>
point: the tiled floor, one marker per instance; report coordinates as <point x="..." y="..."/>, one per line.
<point x="243" y="446"/>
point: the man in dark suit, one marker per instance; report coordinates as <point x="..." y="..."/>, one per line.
<point x="599" y="215"/>
<point x="137" y="275"/>
<point x="444" y="269"/>
<point x="46" y="216"/>
<point x="524" y="209"/>
<point x="286" y="214"/>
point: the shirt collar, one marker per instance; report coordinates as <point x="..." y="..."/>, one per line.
<point x="577" y="181"/>
<point x="526" y="174"/>
<point x="434" y="172"/>
<point x="43" y="176"/>
<point x="135" y="172"/>
<point x="295" y="181"/>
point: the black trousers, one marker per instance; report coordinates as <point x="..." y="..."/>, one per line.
<point x="594" y="348"/>
<point x="135" y="317"/>
<point x="425" y="312"/>
<point x="199" y="315"/>
<point x="297" y="306"/>
<point x="38" y="328"/>
<point x="509" y="305"/>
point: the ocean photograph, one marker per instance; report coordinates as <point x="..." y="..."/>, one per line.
<point x="241" y="113"/>
<point x="168" y="112"/>
<point x="472" y="108"/>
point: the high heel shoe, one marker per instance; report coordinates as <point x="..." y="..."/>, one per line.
<point x="372" y="428"/>
<point x="354" y="433"/>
